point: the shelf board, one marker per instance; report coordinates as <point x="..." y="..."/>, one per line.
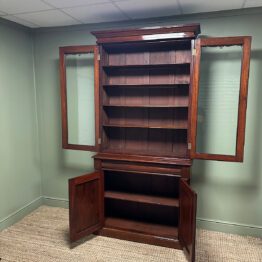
<point x="181" y="126"/>
<point x="179" y="85"/>
<point x="185" y="161"/>
<point x="141" y="198"/>
<point x="173" y="154"/>
<point x="142" y="227"/>
<point x="147" y="66"/>
<point x="145" y="106"/>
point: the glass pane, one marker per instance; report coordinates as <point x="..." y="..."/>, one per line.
<point x="80" y="98"/>
<point x="219" y="87"/>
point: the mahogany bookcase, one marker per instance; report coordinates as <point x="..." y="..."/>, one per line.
<point x="146" y="106"/>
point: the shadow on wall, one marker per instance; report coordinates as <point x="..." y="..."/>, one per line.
<point x="252" y="157"/>
<point x="228" y="191"/>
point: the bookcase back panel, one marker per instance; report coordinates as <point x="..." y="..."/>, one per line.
<point x="150" y="96"/>
<point x="147" y="117"/>
<point x="146" y="141"/>
<point x="146" y="58"/>
<point x="149" y="76"/>
<point x="145" y="96"/>
<point x="147" y="184"/>
<point x="163" y="215"/>
<point x="151" y="53"/>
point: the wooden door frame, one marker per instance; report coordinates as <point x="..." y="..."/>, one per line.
<point x="84" y="49"/>
<point x="187" y="219"/>
<point x="72" y="184"/>
<point x="245" y="42"/>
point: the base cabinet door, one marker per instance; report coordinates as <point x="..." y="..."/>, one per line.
<point x="187" y="219"/>
<point x="86" y="205"/>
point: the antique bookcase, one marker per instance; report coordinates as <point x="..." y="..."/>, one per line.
<point x="147" y="85"/>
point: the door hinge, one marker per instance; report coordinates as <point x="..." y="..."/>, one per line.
<point x="193" y="51"/>
<point x="98" y="57"/>
<point x="189" y="146"/>
<point x="99" y="141"/>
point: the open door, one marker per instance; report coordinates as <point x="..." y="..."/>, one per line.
<point x="187" y="219"/>
<point x="79" y="81"/>
<point x="86" y="205"/>
<point x="219" y="98"/>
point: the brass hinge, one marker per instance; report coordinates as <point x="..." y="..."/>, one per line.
<point x="98" y="57"/>
<point x="189" y="146"/>
<point x="99" y="141"/>
<point x="193" y="51"/>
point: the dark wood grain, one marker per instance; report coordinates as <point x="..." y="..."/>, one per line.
<point x="153" y="117"/>
<point x="140" y="141"/>
<point x="178" y="126"/>
<point x="144" y="159"/>
<point x="146" y="66"/>
<point x="147" y="34"/>
<point x="136" y="168"/>
<point x="143" y="48"/>
<point x="161" y="86"/>
<point x="142" y="212"/>
<point x="142" y="227"/>
<point x="144" y="95"/>
<point x="129" y="112"/>
<point x="86" y="205"/>
<point x="149" y="30"/>
<point x="187" y="219"/>
<point x="147" y="105"/>
<point x="190" y="95"/>
<point x="149" y="199"/>
<point x="78" y="50"/>
<point x="245" y="42"/>
<point x="147" y="114"/>
<point x="139" y="237"/>
<point x="145" y="185"/>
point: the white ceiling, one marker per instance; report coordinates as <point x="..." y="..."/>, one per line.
<point x="47" y="13"/>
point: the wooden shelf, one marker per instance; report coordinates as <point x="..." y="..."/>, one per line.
<point x="141" y="198"/>
<point x="148" y="66"/>
<point x="180" y="85"/>
<point x="144" y="87"/>
<point x="145" y="106"/>
<point x="176" y="153"/>
<point x="142" y="227"/>
<point x="178" y="126"/>
<point x="129" y="158"/>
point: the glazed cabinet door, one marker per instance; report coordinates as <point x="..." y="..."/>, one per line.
<point x="187" y="219"/>
<point x="79" y="81"/>
<point x="219" y="98"/>
<point x="86" y="205"/>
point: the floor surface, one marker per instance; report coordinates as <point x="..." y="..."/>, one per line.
<point x="43" y="236"/>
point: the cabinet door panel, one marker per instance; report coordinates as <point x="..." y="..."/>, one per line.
<point x="86" y="205"/>
<point x="187" y="219"/>
<point x="219" y="100"/>
<point x="79" y="80"/>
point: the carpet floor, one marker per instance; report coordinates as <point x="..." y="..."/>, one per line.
<point x="43" y="236"/>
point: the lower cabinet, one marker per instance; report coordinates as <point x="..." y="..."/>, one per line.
<point x="153" y="208"/>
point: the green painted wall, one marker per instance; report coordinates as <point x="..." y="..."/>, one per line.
<point x="57" y="165"/>
<point x="229" y="194"/>
<point x="20" y="178"/>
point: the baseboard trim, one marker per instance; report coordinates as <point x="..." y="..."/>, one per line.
<point x="229" y="227"/>
<point x="55" y="202"/>
<point x="209" y="224"/>
<point x="204" y="223"/>
<point x="20" y="213"/>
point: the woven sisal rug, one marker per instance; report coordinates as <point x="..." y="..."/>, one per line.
<point x="43" y="236"/>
